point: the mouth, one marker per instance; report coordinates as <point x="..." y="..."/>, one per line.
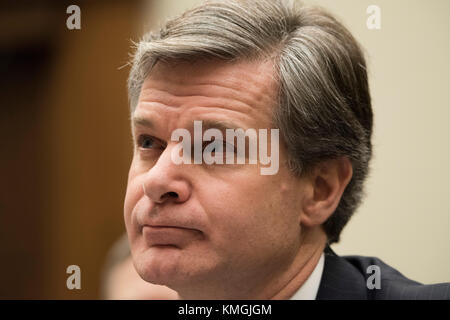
<point x="154" y="226"/>
<point x="168" y="236"/>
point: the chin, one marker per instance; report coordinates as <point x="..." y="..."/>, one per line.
<point x="161" y="266"/>
<point x="169" y="267"/>
<point x="155" y="267"/>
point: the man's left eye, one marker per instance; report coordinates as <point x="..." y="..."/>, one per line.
<point x="223" y="149"/>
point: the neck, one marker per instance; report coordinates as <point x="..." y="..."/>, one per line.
<point x="304" y="263"/>
<point x="284" y="286"/>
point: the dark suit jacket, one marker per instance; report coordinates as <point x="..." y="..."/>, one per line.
<point x="346" y="278"/>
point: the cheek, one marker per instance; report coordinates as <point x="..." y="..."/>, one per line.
<point x="133" y="194"/>
<point x="247" y="227"/>
<point x="247" y="213"/>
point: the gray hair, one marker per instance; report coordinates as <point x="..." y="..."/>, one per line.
<point x="324" y="107"/>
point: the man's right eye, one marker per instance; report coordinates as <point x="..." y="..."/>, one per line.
<point x="149" y="142"/>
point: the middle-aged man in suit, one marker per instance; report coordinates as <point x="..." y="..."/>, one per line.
<point x="225" y="230"/>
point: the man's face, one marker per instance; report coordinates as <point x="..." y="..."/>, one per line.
<point x="192" y="224"/>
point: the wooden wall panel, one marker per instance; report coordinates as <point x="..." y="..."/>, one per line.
<point x="65" y="161"/>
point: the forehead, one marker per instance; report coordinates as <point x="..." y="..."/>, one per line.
<point x="244" y="91"/>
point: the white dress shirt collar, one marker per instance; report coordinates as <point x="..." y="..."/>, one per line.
<point x="308" y="291"/>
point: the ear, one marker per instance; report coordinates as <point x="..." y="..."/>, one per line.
<point x="327" y="182"/>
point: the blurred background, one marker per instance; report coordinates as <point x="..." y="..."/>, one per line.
<point x="66" y="144"/>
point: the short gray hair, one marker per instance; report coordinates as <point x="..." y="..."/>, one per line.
<point x="324" y="107"/>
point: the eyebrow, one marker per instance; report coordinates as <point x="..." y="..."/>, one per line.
<point x="143" y="122"/>
<point x="221" y="125"/>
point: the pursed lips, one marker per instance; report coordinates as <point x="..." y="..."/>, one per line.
<point x="168" y="235"/>
<point x="167" y="225"/>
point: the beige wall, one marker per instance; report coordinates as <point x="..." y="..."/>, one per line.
<point x="405" y="218"/>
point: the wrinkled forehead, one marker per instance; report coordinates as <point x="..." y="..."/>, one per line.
<point x="251" y="79"/>
<point x="214" y="88"/>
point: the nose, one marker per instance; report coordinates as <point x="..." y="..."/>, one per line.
<point x="166" y="181"/>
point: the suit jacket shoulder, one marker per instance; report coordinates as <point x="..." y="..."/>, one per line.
<point x="346" y="277"/>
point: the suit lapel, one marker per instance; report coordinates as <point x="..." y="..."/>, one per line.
<point x="340" y="280"/>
